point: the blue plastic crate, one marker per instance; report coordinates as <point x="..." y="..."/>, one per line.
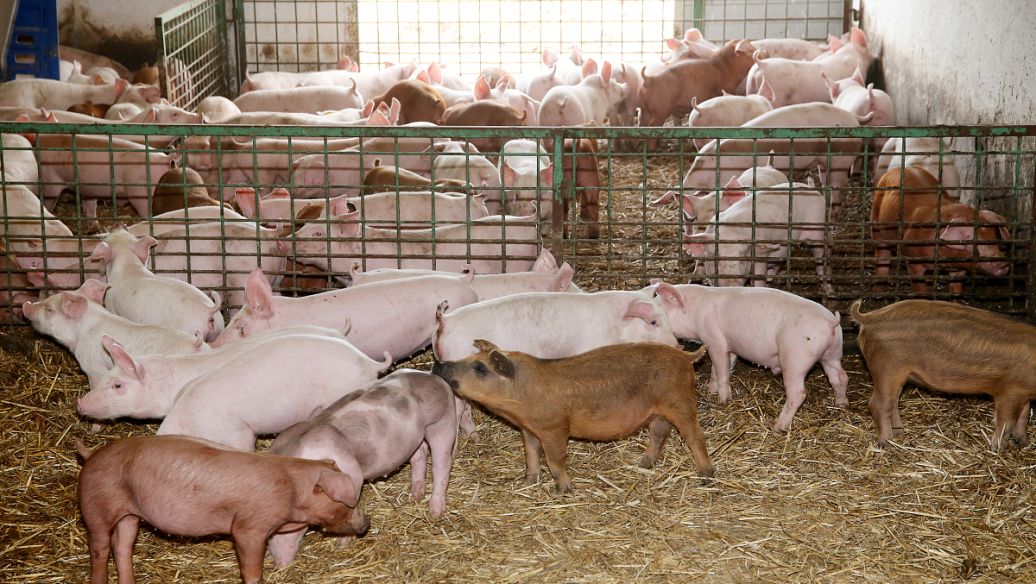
<point x="32" y="49"/>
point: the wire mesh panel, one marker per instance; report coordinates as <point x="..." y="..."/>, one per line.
<point x="933" y="213"/>
<point x="297" y="35"/>
<point x="720" y="20"/>
<point x="193" y="58"/>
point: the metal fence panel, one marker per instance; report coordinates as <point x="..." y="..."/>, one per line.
<point x="193" y="55"/>
<point x="639" y="237"/>
<point x="721" y="20"/>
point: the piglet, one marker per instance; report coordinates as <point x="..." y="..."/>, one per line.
<point x="194" y="488"/>
<point x="483" y="113"/>
<point x="952" y="349"/>
<point x="180" y="188"/>
<point x="420" y="101"/>
<point x="603" y="394"/>
<point x="414" y="413"/>
<point x="772" y="328"/>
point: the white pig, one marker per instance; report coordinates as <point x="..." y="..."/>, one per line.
<point x="771" y="328"/>
<point x="593" y="100"/>
<point x="60" y="95"/>
<point x="932" y="154"/>
<point x="300" y="99"/>
<point x="551" y="326"/>
<point x="216" y="109"/>
<point x="851" y="95"/>
<point x="269" y="389"/>
<point x="137" y="294"/>
<point x="462" y="162"/>
<point x="507" y="96"/>
<point x="77" y="320"/>
<point x="18" y="162"/>
<point x="526" y="174"/>
<point x="726" y="111"/>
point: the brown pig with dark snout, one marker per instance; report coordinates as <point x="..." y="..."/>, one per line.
<point x="194" y="488"/>
<point x="602" y="394"/>
<point x="484" y="112"/>
<point x="180" y="188"/>
<point x="950" y="348"/>
<point x="419" y="101"/>
<point x="382" y="179"/>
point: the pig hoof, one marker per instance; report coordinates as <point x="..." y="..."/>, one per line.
<point x="95" y="427"/>
<point x="346" y="541"/>
<point x="842" y="402"/>
<point x="646" y="462"/>
<point x="898" y="430"/>
<point x="706" y="474"/>
<point x="564" y="487"/>
<point x="473" y="437"/>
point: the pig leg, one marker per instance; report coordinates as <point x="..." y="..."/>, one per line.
<point x="1008" y="409"/>
<point x="881" y="268"/>
<point x="658" y="431"/>
<point x="684" y="417"/>
<point x="554" y="450"/>
<point x="884" y="401"/>
<point x="441" y="437"/>
<point x="831" y="361"/>
<point x="532" y="457"/>
<point x="99" y="542"/>
<point x="284" y="546"/>
<point x="822" y="271"/>
<point x="123" y="539"/>
<point x="719" y="381"/>
<point x="917" y="284"/>
<point x="795" y="393"/>
<point x="956" y="284"/>
<point x="250" y="545"/>
<point x="418" y="466"/>
<point x="1021" y="427"/>
<point x="467" y="423"/>
<point x="89" y="208"/>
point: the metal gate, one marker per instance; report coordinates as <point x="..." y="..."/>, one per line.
<point x="721" y="20"/>
<point x="193" y="54"/>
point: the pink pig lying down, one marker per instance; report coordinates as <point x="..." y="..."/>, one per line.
<point x="268" y="389"/>
<point x="194" y="488"/>
<point x="771" y="328"/>
<point x="372" y="432"/>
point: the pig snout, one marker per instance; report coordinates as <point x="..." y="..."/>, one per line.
<point x="443" y="370"/>
<point x="356" y="524"/>
<point x="281" y="248"/>
<point x="29" y="310"/>
<point x="996" y="268"/>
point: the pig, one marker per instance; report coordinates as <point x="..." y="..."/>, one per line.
<point x="392" y="318"/>
<point x="194" y="488"/>
<point x="420" y="101"/>
<point x="88" y="60"/>
<point x="216" y="109"/>
<point x="18" y="163"/>
<point x="790" y="48"/>
<point x="25" y="217"/>
<point x="502" y="92"/>
<point x="593" y="101"/>
<point x="78" y="320"/>
<point x="439" y="74"/>
<point x="415" y="209"/>
<point x="580" y="169"/>
<point x="741" y="242"/>
<point x="510" y="245"/>
<point x="14" y="286"/>
<point x="300" y="99"/>
<point x="368" y="83"/>
<point x="725" y="111"/>
<point x="180" y="188"/>
<point x="341" y="172"/>
<point x="526" y="174"/>
<point x="932" y="154"/>
<point x="788" y="334"/>
<point x="161" y="113"/>
<point x="175" y="220"/>
<point x="559" y="71"/>
<point x="494" y="75"/>
<point x="146" y="74"/>
<point x="545" y="276"/>
<point x="851" y="95"/>
<point x="911" y="214"/>
<point x="629" y="77"/>
<point x="450" y="97"/>
<point x="120" y="112"/>
<point x="54" y="263"/>
<point x="602" y="394"/>
<point x="100" y="167"/>
<point x="255" y="396"/>
<point x="414" y="414"/>
<point x="134" y="292"/>
<point x="952" y="349"/>
<point x="792" y="82"/>
<point x="670" y="92"/>
<point x="462" y="162"/>
<point x="146" y="386"/>
<point x="691" y="46"/>
<point x="60" y="95"/>
<point x="381" y="179"/>
<point x="483" y="113"/>
<point x="89" y="108"/>
<point x="550" y="325"/>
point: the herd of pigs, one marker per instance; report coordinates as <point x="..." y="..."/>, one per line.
<point x="509" y="330"/>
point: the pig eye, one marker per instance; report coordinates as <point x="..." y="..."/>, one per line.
<point x="480" y="368"/>
<point x="116" y="386"/>
<point x="654" y="323"/>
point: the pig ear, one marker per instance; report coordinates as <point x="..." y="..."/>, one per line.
<point x="338" y="486"/>
<point x="549" y="57"/>
<point x="123" y="359"/>
<point x="858" y="76"/>
<point x="423" y="77"/>
<point x="246" y="202"/>
<point x="696" y="245"/>
<point x="589" y="68"/>
<point x="102" y="251"/>
<point x="957" y="232"/>
<point x="142" y="248"/>
<point x="482" y="89"/>
<point x="73" y="305"/>
<point x="378" y="119"/>
<point x="345" y="63"/>
<point x="348" y="224"/>
<point x="484" y="346"/>
<point x="435" y="73"/>
<point x="564" y="278"/>
<point x="37" y="279"/>
<point x="986" y="216"/>
<point x="835" y="43"/>
<point x="832" y="87"/>
<point x="672" y="44"/>
<point x="545" y="262"/>
<point x="733" y="192"/>
<point x="279" y="193"/>
<point x="309" y="211"/>
<point x="667" y="199"/>
<point x="339" y="205"/>
<point x="368" y="108"/>
<point x="669" y="294"/>
<point x="501" y="364"/>
<point x="394" y="111"/>
<point x="258" y="293"/>
<point x="94" y="289"/>
<point x="509" y="175"/>
<point x="857" y="38"/>
<point x="606" y="72"/>
<point x="642" y="310"/>
<point x="546" y="176"/>
<point x="692" y="34"/>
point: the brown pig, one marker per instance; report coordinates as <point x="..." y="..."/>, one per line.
<point x="942" y="231"/>
<point x="583" y="153"/>
<point x="171" y="194"/>
<point x="382" y="179"/>
<point x="483" y="113"/>
<point x="194" y="488"/>
<point x="949" y="348"/>
<point x="419" y="101"/>
<point x="146" y="74"/>
<point x="90" y="108"/>
<point x="602" y="394"/>
<point x="670" y="92"/>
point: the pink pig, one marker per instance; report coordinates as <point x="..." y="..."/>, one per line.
<point x="851" y="95"/>
<point x="269" y="389"/>
<point x="592" y="101"/>
<point x="309" y="100"/>
<point x="195" y="488"/>
<point x="726" y="111"/>
<point x="771" y="328"/>
<point x="414" y="413"/>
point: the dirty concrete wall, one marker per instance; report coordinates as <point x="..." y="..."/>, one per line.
<point x="964" y="62"/>
<point x="123" y="30"/>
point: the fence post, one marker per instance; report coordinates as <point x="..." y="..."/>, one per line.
<point x="560" y="187"/>
<point x="163" y="76"/>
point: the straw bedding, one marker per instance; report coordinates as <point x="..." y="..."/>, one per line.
<point x="818" y="503"/>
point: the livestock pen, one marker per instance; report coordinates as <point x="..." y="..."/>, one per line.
<point x="820" y="502"/>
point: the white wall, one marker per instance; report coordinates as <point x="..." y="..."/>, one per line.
<point x="121" y="29"/>
<point x="959" y="62"/>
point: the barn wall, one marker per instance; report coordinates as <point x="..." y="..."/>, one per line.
<point x="123" y="30"/>
<point x="962" y="62"/>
